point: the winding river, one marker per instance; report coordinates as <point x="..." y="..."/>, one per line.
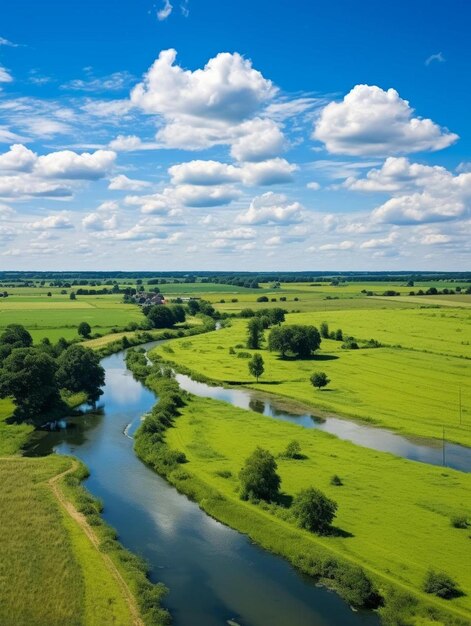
<point x="215" y="575"/>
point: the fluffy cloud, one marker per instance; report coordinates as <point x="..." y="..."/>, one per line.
<point x="380" y="243"/>
<point x="70" y="165"/>
<point x="59" y="221"/>
<point x="26" y="186"/>
<point x="18" y="159"/>
<point x="371" y="121"/>
<point x="122" y="182"/>
<point x="227" y="89"/>
<point x="219" y="104"/>
<point x="99" y="222"/>
<point x="200" y="172"/>
<point x="271" y="208"/>
<point x="198" y="196"/>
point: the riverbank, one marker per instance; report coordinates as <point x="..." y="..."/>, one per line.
<point x="216" y="438"/>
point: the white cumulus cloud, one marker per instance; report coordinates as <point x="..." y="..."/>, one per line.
<point x="271" y="208"/>
<point x="371" y="121"/>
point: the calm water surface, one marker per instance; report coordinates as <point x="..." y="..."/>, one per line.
<point x="214" y="573"/>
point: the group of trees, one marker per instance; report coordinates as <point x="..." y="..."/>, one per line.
<point x="162" y="316"/>
<point x="295" y="339"/>
<point x="35" y="375"/>
<point x="259" y="480"/>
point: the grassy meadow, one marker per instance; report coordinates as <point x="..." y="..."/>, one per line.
<point x="408" y="390"/>
<point x="395" y="514"/>
<point x="50" y="574"/>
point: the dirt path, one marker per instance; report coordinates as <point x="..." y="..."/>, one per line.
<point x="129" y="598"/>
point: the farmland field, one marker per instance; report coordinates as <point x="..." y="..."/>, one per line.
<point x="395" y="512"/>
<point x="59" y="316"/>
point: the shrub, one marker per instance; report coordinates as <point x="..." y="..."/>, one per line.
<point x="441" y="585"/>
<point x="262" y="299"/>
<point x="459" y="521"/>
<point x="293" y="450"/>
<point x="336" y="481"/>
<point x="313" y="510"/>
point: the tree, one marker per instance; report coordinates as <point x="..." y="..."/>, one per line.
<point x="256" y="366"/>
<point x="84" y="329"/>
<point x="80" y="370"/>
<point x="254" y="333"/>
<point x="319" y="380"/>
<point x="313" y="510"/>
<point x="324" y="330"/>
<point x="441" y="585"/>
<point x="28" y="375"/>
<point x="72" y="295"/>
<point x="258" y="477"/>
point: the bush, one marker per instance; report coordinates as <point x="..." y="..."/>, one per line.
<point x="293" y="450"/>
<point x="262" y="299"/>
<point x="459" y="521"/>
<point x="336" y="481"/>
<point x="441" y="585"/>
<point x="313" y="510"/>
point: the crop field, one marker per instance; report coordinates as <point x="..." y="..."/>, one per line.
<point x="411" y="391"/>
<point x="395" y="514"/>
<point x="59" y="316"/>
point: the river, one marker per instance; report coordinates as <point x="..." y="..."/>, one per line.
<point x="215" y="575"/>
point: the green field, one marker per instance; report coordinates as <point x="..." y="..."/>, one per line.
<point x="59" y="316"/>
<point x="407" y="390"/>
<point x="396" y="512"/>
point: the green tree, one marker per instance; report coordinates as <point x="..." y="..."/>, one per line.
<point x="254" y="333"/>
<point x="178" y="312"/>
<point x="84" y="330"/>
<point x="313" y="510"/>
<point x="258" y="477"/>
<point x="256" y="366"/>
<point x="319" y="380"/>
<point x="72" y="295"/>
<point x="79" y="369"/>
<point x="28" y="375"/>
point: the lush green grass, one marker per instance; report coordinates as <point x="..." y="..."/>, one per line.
<point x="12" y="436"/>
<point x="50" y="574"/>
<point x="59" y="316"/>
<point x="444" y="331"/>
<point x="411" y="391"/>
<point x="396" y="512"/>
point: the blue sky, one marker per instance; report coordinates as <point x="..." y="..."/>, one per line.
<point x="236" y="136"/>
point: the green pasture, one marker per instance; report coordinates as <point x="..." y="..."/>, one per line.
<point x="411" y="391"/>
<point x="396" y="513"/>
